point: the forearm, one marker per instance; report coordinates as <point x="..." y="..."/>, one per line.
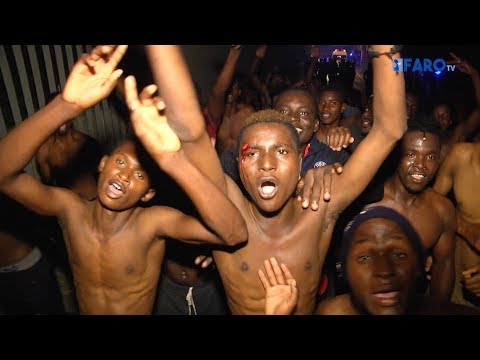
<point x="216" y="210"/>
<point x="175" y="85"/>
<point x="443" y="279"/>
<point x="470" y="232"/>
<point x="22" y="143"/>
<point x="226" y="75"/>
<point x="389" y="100"/>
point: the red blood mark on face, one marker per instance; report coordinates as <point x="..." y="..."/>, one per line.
<point x="244" y="150"/>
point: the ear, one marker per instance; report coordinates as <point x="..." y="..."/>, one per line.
<point x="344" y="106"/>
<point x="102" y="163"/>
<point x="148" y="196"/>
<point x="315" y="127"/>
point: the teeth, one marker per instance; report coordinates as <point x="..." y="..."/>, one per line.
<point x="298" y="130"/>
<point x="418" y="176"/>
<point x="268" y="189"/>
<point x="116" y="186"/>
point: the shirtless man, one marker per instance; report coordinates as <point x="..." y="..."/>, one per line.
<point x="460" y="171"/>
<point x="116" y="247"/>
<point x="432" y="215"/>
<point x="270" y="160"/>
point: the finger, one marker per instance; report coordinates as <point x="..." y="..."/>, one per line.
<point x="286" y="272"/>
<point x="97" y="52"/>
<point x="117" y="55"/>
<point x="199" y="259"/>
<point x="327" y="184"/>
<point x="294" y="290"/>
<point x="112" y="80"/>
<point x="131" y="93"/>
<point x="307" y="188"/>
<point x="299" y="189"/>
<point x="468" y="273"/>
<point x="146" y="96"/>
<point x="159" y="103"/>
<point x="270" y="274"/>
<point x="207" y="262"/>
<point x="317" y="190"/>
<point x="277" y="271"/>
<point x="338" y="168"/>
<point x="263" y="279"/>
<point x="454" y="56"/>
<point x="351" y="139"/>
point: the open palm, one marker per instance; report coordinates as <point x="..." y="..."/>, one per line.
<point x="94" y="76"/>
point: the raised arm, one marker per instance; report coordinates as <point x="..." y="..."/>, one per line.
<point x="164" y="146"/>
<point x="216" y="101"/>
<point x="389" y="126"/>
<point x="175" y="85"/>
<point x="92" y="78"/>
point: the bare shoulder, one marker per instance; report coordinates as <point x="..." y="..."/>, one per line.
<point x="462" y="151"/>
<point x="442" y="206"/>
<point x="338" y="305"/>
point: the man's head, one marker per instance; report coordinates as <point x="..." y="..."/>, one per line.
<point x="300" y="107"/>
<point x="412" y="100"/>
<point x="269" y="158"/>
<point x="331" y="105"/>
<point x="420" y="153"/>
<point x="382" y="260"/>
<point x="442" y="112"/>
<point x="124" y="178"/>
<point x="366" y="119"/>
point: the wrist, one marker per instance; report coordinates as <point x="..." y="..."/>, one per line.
<point x="71" y="109"/>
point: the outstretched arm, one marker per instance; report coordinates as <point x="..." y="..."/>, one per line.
<point x="164" y="146"/>
<point x="389" y="126"/>
<point x="216" y="101"/>
<point x="92" y="78"/>
<point x="175" y="85"/>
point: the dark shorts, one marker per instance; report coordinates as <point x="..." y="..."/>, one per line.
<point x="31" y="291"/>
<point x="205" y="299"/>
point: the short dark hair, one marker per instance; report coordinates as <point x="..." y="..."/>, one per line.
<point x="268" y="116"/>
<point x="424" y="123"/>
<point x="335" y="87"/>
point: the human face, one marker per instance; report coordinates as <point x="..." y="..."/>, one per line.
<point x="443" y="115"/>
<point x="330" y="107"/>
<point x="412" y="104"/>
<point x="123" y="182"/>
<point x="382" y="268"/>
<point x="419" y="161"/>
<point x="300" y="107"/>
<point x="269" y="165"/>
<point x="366" y="119"/>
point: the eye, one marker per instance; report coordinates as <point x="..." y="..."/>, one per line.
<point x="283" y="111"/>
<point x="304" y="113"/>
<point x="410" y="155"/>
<point x="399" y="255"/>
<point x="120" y="161"/>
<point x="363" y="258"/>
<point x="431" y="157"/>
<point x="140" y="175"/>
<point x="282" y="152"/>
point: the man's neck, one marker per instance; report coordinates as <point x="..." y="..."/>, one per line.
<point x="400" y="193"/>
<point x="278" y="223"/>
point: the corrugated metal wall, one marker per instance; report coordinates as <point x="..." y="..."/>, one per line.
<point x="30" y="73"/>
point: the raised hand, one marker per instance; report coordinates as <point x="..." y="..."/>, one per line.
<point x="339" y="137"/>
<point x="94" y="75"/>
<point x="148" y="121"/>
<point x="281" y="288"/>
<point x="462" y="65"/>
<point x="261" y="51"/>
<point x="317" y="180"/>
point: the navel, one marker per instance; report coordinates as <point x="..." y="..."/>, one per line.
<point x="130" y="269"/>
<point x="244" y="267"/>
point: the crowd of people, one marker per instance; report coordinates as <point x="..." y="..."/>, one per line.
<point x="275" y="196"/>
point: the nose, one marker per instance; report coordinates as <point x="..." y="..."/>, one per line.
<point x="383" y="266"/>
<point x="419" y="162"/>
<point x="267" y="162"/>
<point x="123" y="175"/>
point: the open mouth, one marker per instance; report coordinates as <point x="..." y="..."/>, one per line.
<point x="267" y="187"/>
<point x="418" y="178"/>
<point x="115" y="189"/>
<point x="388" y="298"/>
